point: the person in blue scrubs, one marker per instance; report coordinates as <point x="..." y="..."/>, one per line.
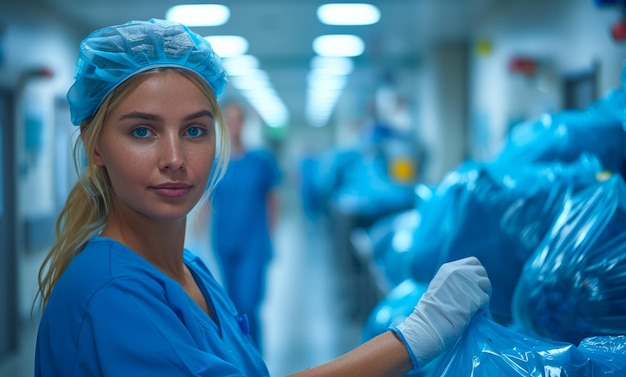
<point x="245" y="202"/>
<point x="121" y="296"/>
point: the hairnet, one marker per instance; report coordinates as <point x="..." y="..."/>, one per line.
<point x="111" y="55"/>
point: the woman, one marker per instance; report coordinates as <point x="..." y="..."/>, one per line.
<point x="121" y="295"/>
<point x="245" y="203"/>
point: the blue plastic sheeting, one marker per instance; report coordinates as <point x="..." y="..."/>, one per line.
<point x="368" y="191"/>
<point x="574" y="285"/>
<point x="332" y="165"/>
<point x="489" y="349"/>
<point x="357" y="183"/>
<point x="391" y="239"/>
<point x="497" y="214"/>
<point x="564" y="136"/>
<point x="394" y="308"/>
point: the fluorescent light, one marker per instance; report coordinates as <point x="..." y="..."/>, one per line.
<point x="348" y="14"/>
<point x="332" y="65"/>
<point x="199" y="14"/>
<point x="240" y="65"/>
<point x="255" y="79"/>
<point x="255" y="85"/>
<point x="324" y="90"/>
<point x="326" y="83"/>
<point x="228" y="45"/>
<point x="345" y="45"/>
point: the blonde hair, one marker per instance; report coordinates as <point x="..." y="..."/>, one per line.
<point x="89" y="202"/>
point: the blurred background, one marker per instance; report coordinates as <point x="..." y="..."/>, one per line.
<point x="362" y="132"/>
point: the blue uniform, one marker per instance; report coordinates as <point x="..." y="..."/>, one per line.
<point x="241" y="237"/>
<point x="240" y="204"/>
<point x="114" y="314"/>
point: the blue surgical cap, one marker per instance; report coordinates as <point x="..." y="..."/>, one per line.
<point x="111" y="55"/>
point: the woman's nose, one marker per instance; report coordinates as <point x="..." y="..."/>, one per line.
<point x="171" y="154"/>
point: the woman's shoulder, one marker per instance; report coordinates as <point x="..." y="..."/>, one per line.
<point x="102" y="265"/>
<point x="103" y="259"/>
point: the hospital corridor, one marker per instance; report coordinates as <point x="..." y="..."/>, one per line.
<point x="373" y="148"/>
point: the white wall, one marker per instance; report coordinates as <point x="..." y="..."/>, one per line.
<point x="31" y="41"/>
<point x="565" y="36"/>
<point x="442" y="109"/>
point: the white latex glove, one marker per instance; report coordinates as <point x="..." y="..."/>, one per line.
<point x="458" y="290"/>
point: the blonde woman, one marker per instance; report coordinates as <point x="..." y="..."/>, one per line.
<point x="121" y="294"/>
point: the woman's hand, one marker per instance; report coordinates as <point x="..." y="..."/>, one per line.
<point x="458" y="290"/>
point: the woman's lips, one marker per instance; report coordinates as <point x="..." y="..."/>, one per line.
<point x="172" y="190"/>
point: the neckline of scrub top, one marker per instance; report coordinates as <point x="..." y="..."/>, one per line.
<point x="208" y="299"/>
<point x="205" y="293"/>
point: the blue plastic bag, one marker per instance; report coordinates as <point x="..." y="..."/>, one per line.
<point x="608" y="354"/>
<point x="565" y="136"/>
<point x="489" y="349"/>
<point x="497" y="214"/>
<point x="394" y="308"/>
<point x="367" y="190"/>
<point x="391" y="239"/>
<point x="574" y="285"/>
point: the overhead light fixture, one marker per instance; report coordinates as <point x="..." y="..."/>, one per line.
<point x="332" y="65"/>
<point x="256" y="87"/>
<point x="326" y="80"/>
<point x="269" y="106"/>
<point x="240" y="65"/>
<point x="199" y="14"/>
<point x="345" y="45"/>
<point x="228" y="45"/>
<point x="254" y="79"/>
<point x="348" y="14"/>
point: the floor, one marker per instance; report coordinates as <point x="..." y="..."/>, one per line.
<point x="307" y="317"/>
<point x="307" y="320"/>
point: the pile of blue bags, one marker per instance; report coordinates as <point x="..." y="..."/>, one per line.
<point x="547" y="218"/>
<point x="357" y="181"/>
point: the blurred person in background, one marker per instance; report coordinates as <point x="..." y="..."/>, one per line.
<point x="121" y="295"/>
<point x="243" y="216"/>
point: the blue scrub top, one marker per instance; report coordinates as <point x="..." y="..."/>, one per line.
<point x="114" y="314"/>
<point x="240" y="211"/>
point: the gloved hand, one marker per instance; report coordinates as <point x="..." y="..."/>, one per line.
<point x="458" y="290"/>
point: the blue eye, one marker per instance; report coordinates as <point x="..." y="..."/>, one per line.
<point x="195" y="131"/>
<point x="140" y="132"/>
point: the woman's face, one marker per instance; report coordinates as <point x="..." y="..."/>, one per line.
<point x="233" y="116"/>
<point x="158" y="147"/>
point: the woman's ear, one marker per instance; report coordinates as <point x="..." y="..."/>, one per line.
<point x="96" y="157"/>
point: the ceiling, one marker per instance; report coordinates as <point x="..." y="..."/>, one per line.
<point x="280" y="33"/>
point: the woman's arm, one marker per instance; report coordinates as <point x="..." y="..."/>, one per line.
<point x="457" y="292"/>
<point x="384" y="356"/>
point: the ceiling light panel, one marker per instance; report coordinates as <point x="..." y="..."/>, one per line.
<point x="228" y="45"/>
<point x="348" y="14"/>
<point x="199" y="14"/>
<point x="338" y="45"/>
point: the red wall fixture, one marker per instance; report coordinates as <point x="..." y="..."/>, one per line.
<point x="523" y="65"/>
<point x="618" y="30"/>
